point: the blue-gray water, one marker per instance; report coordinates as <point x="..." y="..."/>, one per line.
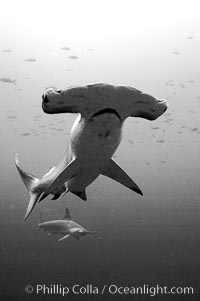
<point x="154" y="239"/>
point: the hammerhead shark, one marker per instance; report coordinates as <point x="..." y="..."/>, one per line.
<point x="66" y="227"/>
<point x="94" y="137"/>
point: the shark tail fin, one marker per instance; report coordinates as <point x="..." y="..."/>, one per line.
<point x="32" y="202"/>
<point x="30" y="181"/>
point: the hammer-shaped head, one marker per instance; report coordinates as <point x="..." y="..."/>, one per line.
<point x="91" y="99"/>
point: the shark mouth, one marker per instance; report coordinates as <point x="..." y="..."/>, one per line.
<point x="106" y="111"/>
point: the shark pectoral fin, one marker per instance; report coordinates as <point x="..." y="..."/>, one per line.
<point x="115" y="172"/>
<point x="63" y="237"/>
<point x="33" y="201"/>
<point x="67" y="173"/>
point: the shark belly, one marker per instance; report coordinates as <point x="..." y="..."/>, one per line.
<point x="93" y="143"/>
<point x="56" y="227"/>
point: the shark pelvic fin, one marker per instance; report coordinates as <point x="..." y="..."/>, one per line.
<point x="66" y="174"/>
<point x="67" y="214"/>
<point x="115" y="172"/>
<point x="31" y="204"/>
<point x="58" y="196"/>
<point x="63" y="237"/>
<point x="80" y="194"/>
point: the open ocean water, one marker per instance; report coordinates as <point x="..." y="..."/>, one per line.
<point x="149" y="241"/>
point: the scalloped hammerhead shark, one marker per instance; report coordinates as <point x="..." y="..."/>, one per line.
<point x="94" y="137"/>
<point x="65" y="227"/>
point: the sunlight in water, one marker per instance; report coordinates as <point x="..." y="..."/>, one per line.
<point x="97" y="20"/>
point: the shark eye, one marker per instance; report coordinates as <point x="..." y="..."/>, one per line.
<point x="45" y="98"/>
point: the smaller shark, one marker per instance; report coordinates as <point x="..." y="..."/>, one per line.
<point x="66" y="227"/>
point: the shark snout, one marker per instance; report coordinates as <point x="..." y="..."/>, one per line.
<point x="90" y="232"/>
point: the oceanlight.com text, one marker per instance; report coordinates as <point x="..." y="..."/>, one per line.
<point x="111" y="289"/>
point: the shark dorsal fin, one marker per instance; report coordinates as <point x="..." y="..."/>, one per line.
<point x="67" y="214"/>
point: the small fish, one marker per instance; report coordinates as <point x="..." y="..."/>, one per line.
<point x="8" y="80"/>
<point x="176" y="52"/>
<point x="190" y="37"/>
<point x="66" y="227"/>
<point x="182" y="86"/>
<point x="191" y="81"/>
<point x="11" y="117"/>
<point x="155" y="128"/>
<point x="73" y="57"/>
<point x="161" y="141"/>
<point x="194" y="129"/>
<point x="7" y="50"/>
<point x="170" y="83"/>
<point x="65" y="48"/>
<point x="30" y="60"/>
